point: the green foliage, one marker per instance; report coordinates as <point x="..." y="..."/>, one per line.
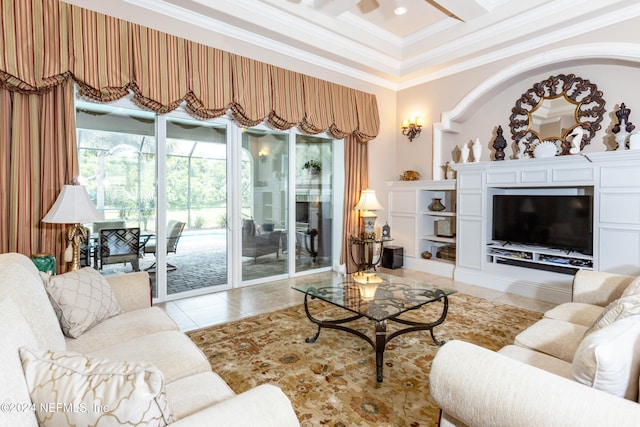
<point x="313" y="165"/>
<point x="222" y="220"/>
<point x="199" y="222"/>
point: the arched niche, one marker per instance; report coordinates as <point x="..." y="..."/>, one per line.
<point x="451" y="121"/>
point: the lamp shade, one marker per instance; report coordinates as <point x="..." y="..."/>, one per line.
<point x="73" y="206"/>
<point x="368" y="201"/>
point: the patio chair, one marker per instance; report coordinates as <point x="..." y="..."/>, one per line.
<point x="109" y="223"/>
<point x="255" y="245"/>
<point x="119" y="245"/>
<point x="86" y="249"/>
<point x="174" y="231"/>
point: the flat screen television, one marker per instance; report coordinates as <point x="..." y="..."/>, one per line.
<point x="553" y="221"/>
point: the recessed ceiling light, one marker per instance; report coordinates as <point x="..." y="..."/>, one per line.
<point x="401" y="10"/>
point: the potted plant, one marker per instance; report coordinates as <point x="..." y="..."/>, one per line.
<point x="312" y="166"/>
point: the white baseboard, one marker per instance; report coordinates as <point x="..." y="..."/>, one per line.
<point x="551" y="287"/>
<point x="440" y="268"/>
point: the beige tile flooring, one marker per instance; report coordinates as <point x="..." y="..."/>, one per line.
<point x="235" y="304"/>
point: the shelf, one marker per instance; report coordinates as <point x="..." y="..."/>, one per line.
<point x="434" y="238"/>
<point x="441" y="213"/>
<point x="539" y="257"/>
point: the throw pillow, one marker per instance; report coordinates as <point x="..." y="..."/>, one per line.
<point x="618" y="309"/>
<point x="633" y="288"/>
<point x="609" y="359"/>
<point x="69" y="388"/>
<point x="81" y="300"/>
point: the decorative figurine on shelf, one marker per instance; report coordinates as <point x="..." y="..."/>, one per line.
<point x="624" y="127"/>
<point x="623" y="118"/>
<point x="499" y="144"/>
<point x="576" y="139"/>
<point x="386" y="231"/>
<point x="464" y="153"/>
<point x="436" y="205"/>
<point x="522" y="150"/>
<point x="477" y="150"/>
<point x="449" y="173"/>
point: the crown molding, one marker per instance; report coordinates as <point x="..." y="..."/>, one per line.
<point x="581" y="27"/>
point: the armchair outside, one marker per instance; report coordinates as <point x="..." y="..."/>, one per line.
<point x="174" y="231"/>
<point x="255" y="245"/>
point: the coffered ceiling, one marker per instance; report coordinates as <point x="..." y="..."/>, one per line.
<point x="367" y="40"/>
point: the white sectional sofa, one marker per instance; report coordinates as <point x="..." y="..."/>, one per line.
<point x="578" y="366"/>
<point x="140" y="350"/>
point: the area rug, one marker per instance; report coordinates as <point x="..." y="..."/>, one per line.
<point x="332" y="382"/>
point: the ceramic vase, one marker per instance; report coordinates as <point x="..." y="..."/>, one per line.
<point x="621" y="139"/>
<point x="436" y="205"/>
<point x="464" y="153"/>
<point x="477" y="150"/>
<point x="45" y="263"/>
<point x="449" y="172"/>
<point x="634" y="141"/>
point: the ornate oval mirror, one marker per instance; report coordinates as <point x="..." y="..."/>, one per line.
<point x="552" y="109"/>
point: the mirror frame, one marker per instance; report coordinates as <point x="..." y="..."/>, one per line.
<point x="589" y="111"/>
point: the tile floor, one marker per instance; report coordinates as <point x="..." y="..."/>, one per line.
<point x="235" y="304"/>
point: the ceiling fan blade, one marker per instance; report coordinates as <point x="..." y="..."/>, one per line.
<point x="367" y="6"/>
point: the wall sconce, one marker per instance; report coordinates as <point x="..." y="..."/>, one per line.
<point x="411" y="128"/>
<point x="263" y="155"/>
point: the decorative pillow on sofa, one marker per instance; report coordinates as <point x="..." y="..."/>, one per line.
<point x="618" y="309"/>
<point x="609" y="359"/>
<point x="72" y="389"/>
<point x="633" y="288"/>
<point x="81" y="299"/>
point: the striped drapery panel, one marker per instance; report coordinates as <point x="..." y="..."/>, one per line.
<point x="47" y="42"/>
<point x="355" y="161"/>
<point x="35" y="162"/>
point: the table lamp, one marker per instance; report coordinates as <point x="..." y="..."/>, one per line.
<point x="73" y="206"/>
<point x="366" y="205"/>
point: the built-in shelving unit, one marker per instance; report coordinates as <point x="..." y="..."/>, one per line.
<point x="611" y="178"/>
<point x="431" y="240"/>
<point x="539" y="257"/>
<point x="414" y="226"/>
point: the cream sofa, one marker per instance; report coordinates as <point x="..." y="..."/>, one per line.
<point x="141" y="333"/>
<point x="531" y="383"/>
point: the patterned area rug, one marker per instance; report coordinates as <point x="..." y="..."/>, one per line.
<point x="332" y="382"/>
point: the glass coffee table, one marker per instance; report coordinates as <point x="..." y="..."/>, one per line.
<point x="378" y="297"/>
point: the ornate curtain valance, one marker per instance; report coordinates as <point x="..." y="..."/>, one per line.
<point x="44" y="42"/>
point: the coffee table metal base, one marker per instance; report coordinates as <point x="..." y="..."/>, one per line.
<point x="381" y="330"/>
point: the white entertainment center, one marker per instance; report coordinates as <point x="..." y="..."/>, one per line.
<point x="612" y="178"/>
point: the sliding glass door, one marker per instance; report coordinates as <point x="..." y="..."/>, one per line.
<point x="217" y="206"/>
<point x="196" y="204"/>
<point x="264" y="203"/>
<point x="125" y="155"/>
<point x="314" y="202"/>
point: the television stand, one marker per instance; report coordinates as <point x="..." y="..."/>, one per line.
<point x="538" y="257"/>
